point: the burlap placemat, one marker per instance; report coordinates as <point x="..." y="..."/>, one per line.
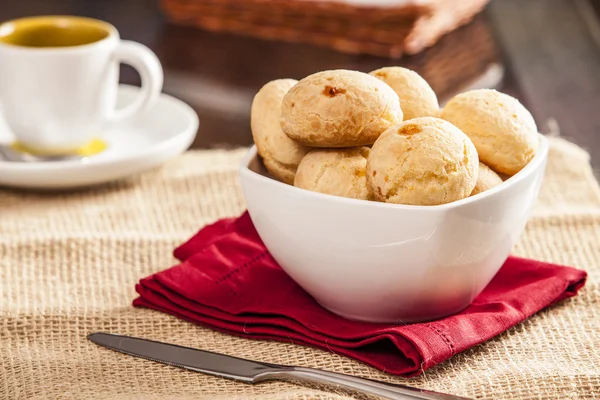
<point x="69" y="263"/>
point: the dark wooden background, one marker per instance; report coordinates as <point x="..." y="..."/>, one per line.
<point x="548" y="57"/>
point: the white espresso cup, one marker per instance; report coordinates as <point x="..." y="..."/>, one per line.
<point x="59" y="77"/>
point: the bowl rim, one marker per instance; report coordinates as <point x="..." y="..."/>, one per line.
<point x="539" y="158"/>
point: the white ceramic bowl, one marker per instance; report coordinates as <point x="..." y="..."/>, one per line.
<point x="386" y="262"/>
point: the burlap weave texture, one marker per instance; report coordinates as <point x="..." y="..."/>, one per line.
<point x="69" y="263"/>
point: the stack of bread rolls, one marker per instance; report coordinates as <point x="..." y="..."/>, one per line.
<point x="381" y="136"/>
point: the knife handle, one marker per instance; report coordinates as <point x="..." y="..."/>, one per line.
<point x="382" y="389"/>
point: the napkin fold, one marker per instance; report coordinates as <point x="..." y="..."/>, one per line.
<point x="228" y="281"/>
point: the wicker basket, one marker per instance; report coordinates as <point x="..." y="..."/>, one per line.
<point x="383" y="31"/>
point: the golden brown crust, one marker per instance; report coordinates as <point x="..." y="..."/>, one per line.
<point x="423" y="161"/>
<point x="281" y="155"/>
<point x="486" y="179"/>
<point x="503" y="131"/>
<point x="417" y="98"/>
<point x="339" y="172"/>
<point x="339" y="108"/>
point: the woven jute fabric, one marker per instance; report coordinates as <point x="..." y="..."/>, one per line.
<point x="69" y="263"/>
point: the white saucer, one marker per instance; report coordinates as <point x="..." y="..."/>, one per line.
<point x="165" y="132"/>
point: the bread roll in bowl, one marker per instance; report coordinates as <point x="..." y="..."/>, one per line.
<point x="339" y="172"/>
<point x="422" y="161"/>
<point x="281" y="155"/>
<point x="503" y="131"/>
<point x="339" y="108"/>
<point x="417" y="98"/>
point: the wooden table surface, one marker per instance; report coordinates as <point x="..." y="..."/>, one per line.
<point x="548" y="56"/>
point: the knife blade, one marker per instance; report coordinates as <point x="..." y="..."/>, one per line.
<point x="183" y="357"/>
<point x="253" y="371"/>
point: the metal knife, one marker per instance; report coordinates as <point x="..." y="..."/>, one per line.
<point x="253" y="371"/>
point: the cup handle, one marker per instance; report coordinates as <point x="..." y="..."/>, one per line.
<point x="148" y="66"/>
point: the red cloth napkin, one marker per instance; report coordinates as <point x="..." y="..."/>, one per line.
<point x="228" y="281"/>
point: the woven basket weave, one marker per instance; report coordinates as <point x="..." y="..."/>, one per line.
<point x="382" y="31"/>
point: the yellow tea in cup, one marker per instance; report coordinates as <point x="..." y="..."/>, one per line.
<point x="53" y="32"/>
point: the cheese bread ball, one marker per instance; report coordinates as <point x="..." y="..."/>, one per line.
<point x="417" y="98"/>
<point x="280" y="154"/>
<point x="422" y="161"/>
<point x="486" y="179"/>
<point x="339" y="108"/>
<point x="339" y="172"/>
<point x="501" y="128"/>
